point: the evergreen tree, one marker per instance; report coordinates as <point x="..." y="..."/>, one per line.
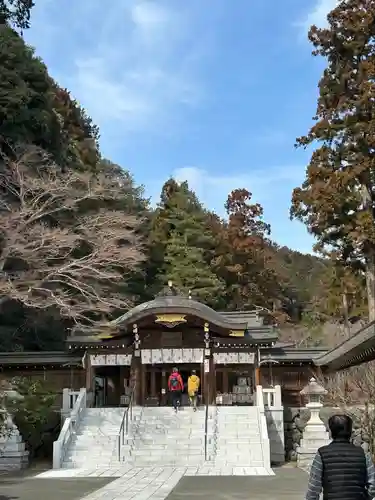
<point x="16" y="13"/>
<point x="179" y="243"/>
<point x="243" y="255"/>
<point x="27" y="115"/>
<point x="337" y="198"/>
<point x="79" y="135"/>
<point x="184" y="259"/>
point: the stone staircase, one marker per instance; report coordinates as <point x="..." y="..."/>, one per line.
<point x="164" y="437"/>
<point x="160" y="437"/>
<point x="239" y="438"/>
<point x="95" y="442"/>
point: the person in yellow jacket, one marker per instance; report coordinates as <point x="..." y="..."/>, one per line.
<point x="193" y="388"/>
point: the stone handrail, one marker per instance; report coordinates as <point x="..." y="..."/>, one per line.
<point x="69" y="428"/>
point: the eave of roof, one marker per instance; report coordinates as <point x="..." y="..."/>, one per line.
<point x="37" y="358"/>
<point x="356" y="350"/>
<point x="292" y="354"/>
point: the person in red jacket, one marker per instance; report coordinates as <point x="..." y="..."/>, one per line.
<point x="175" y="387"/>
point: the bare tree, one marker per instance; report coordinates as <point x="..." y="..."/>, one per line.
<point x="66" y="240"/>
<point x="353" y="391"/>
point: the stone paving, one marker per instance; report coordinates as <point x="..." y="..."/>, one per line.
<point x="168" y="483"/>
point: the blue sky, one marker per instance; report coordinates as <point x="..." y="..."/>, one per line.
<point x="210" y="91"/>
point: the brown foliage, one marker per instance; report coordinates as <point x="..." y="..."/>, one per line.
<point x="67" y="242"/>
<point x="337" y="199"/>
<point x="243" y="253"/>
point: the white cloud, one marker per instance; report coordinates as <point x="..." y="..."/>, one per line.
<point x="132" y="64"/>
<point x="317" y="15"/>
<point x="266" y="186"/>
<point x="272" y="188"/>
<point x="199" y="177"/>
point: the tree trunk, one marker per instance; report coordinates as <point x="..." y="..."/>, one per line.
<point x="370" y="286"/>
<point x="345" y="309"/>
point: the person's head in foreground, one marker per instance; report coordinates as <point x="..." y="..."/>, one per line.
<point x="340" y="427"/>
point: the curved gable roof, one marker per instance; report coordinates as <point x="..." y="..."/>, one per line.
<point x="175" y="304"/>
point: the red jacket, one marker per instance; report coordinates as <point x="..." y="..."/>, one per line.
<point x="181" y="383"/>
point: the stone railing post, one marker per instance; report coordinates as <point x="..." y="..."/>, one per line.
<point x="315" y="433"/>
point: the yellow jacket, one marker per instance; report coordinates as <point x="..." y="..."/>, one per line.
<point x="193" y="384"/>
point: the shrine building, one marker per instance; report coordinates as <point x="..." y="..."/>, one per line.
<point x="232" y="352"/>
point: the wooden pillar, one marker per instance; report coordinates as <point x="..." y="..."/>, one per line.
<point x="137" y="367"/>
<point x="164" y="388"/>
<point x="225" y="381"/>
<point x="257" y="368"/>
<point x="143" y="384"/>
<point x="207" y="365"/>
<point x="153" y="384"/>
<point x="212" y="385"/>
<point x="90" y="379"/>
<point x="122" y="380"/>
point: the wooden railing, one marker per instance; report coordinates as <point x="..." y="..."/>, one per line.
<point x="124" y="426"/>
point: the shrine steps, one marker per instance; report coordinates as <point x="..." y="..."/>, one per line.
<point x="95" y="443"/>
<point x="239" y="438"/>
<point x="164" y="437"/>
<point x="160" y="437"/>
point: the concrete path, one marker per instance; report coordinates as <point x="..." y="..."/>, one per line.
<point x="168" y="483"/>
<point x="287" y="484"/>
<point x="28" y="488"/>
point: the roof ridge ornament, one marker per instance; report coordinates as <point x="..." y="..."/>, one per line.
<point x="172" y="291"/>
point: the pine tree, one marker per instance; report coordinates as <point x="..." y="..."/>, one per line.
<point x="337" y="198"/>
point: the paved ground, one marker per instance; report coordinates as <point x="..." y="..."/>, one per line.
<point x="287" y="484"/>
<point x="182" y="483"/>
<point x="18" y="488"/>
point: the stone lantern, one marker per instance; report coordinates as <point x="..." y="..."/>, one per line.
<point x="315" y="433"/>
<point x="314" y="393"/>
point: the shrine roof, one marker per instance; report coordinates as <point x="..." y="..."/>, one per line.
<point x="251" y="318"/>
<point x="358" y="349"/>
<point x="290" y="354"/>
<point x="182" y="305"/>
<point x="39" y="358"/>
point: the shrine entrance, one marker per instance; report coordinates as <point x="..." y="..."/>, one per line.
<point x="111" y="386"/>
<point x="155" y="387"/>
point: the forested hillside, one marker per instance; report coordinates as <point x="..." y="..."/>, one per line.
<point x="80" y="243"/>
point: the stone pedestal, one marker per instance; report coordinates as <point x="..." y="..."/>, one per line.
<point x="315" y="434"/>
<point x="13" y="455"/>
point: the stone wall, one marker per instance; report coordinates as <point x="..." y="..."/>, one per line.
<point x="295" y="420"/>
